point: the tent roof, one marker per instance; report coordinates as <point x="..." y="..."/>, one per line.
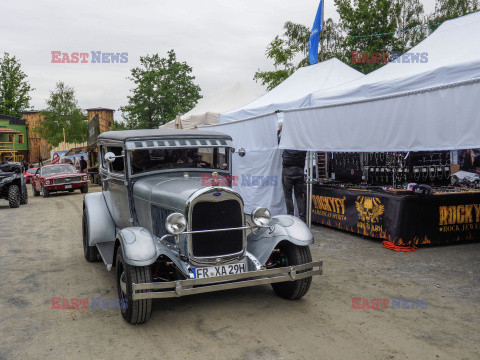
<point x="295" y="91"/>
<point x="452" y="53"/>
<point x="401" y="106"/>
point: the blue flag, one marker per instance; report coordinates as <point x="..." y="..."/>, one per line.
<point x="315" y="36"/>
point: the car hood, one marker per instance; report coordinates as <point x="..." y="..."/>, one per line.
<point x="167" y="192"/>
<point x="60" y="176"/>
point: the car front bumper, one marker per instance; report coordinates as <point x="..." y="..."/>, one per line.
<point x="61" y="187"/>
<point x="197" y="286"/>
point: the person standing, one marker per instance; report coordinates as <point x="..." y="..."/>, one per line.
<point x="293" y="165"/>
<point x="40" y="160"/>
<point x="25" y="165"/>
<point x="83" y="164"/>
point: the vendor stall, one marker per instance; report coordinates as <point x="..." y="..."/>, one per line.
<point x="402" y="217"/>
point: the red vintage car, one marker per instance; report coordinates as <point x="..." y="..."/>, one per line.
<point x="58" y="177"/>
<point x="29" y="174"/>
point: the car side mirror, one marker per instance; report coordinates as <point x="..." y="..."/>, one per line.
<point x="241" y="152"/>
<point x="110" y="157"/>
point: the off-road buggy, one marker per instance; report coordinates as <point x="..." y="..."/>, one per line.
<point x="12" y="184"/>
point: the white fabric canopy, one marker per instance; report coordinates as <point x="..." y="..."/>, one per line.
<point x="258" y="174"/>
<point x="295" y="92"/>
<point x="401" y="106"/>
<point x="208" y="108"/>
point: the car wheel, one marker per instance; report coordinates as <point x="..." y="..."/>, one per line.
<point x="45" y="192"/>
<point x="35" y="191"/>
<point x="84" y="189"/>
<point x="90" y="252"/>
<point x="24" y="198"/>
<point x="288" y="254"/>
<point x="133" y="311"/>
<point x="14" y="196"/>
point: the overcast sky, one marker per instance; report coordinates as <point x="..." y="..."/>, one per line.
<point x="223" y="40"/>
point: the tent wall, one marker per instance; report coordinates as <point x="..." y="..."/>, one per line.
<point x="443" y="118"/>
<point x="258" y="173"/>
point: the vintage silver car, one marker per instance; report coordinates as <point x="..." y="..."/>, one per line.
<point x="171" y="224"/>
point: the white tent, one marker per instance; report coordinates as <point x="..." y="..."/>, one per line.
<point x="209" y="107"/>
<point x="258" y="135"/>
<point x="402" y="106"/>
<point x="295" y="92"/>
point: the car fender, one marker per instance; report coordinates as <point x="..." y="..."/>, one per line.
<point x="100" y="223"/>
<point x="138" y="246"/>
<point x="262" y="242"/>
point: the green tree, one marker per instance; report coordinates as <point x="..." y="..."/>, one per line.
<point x="409" y="15"/>
<point x="62" y="116"/>
<point x="366" y="17"/>
<point x="290" y="51"/>
<point x="119" y="125"/>
<point x="164" y="87"/>
<point x="14" y="87"/>
<point x="450" y="9"/>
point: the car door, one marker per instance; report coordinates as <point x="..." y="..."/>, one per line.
<point x="36" y="179"/>
<point x="115" y="186"/>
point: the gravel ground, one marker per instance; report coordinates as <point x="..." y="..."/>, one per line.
<point x="41" y="257"/>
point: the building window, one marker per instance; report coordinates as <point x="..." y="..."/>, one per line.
<point x="11" y="138"/>
<point x="20" y="139"/>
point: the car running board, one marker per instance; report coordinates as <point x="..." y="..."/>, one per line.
<point x="106" y="251"/>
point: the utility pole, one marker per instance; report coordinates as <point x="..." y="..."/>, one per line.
<point x="323" y="29"/>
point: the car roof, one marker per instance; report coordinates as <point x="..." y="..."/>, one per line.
<point x="159" y="133"/>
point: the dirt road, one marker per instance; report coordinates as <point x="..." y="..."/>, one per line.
<point x="41" y="257"/>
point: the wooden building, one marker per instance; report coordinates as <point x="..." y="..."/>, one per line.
<point x="37" y="146"/>
<point x="105" y="118"/>
<point x="13" y="138"/>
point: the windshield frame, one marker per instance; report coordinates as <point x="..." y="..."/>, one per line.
<point x="57" y="165"/>
<point x="228" y="170"/>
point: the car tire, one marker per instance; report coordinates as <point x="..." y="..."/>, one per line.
<point x="24" y="198"/>
<point x="133" y="311"/>
<point x="90" y="252"/>
<point x="14" y="196"/>
<point x="84" y="189"/>
<point x="294" y="255"/>
<point x="35" y="191"/>
<point x="45" y="192"/>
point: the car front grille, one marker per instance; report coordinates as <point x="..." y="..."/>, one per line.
<point x="209" y="215"/>
<point x="67" y="180"/>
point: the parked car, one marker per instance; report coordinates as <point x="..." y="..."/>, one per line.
<point x="12" y="184"/>
<point x="29" y="174"/>
<point x="58" y="177"/>
<point x="170" y="224"/>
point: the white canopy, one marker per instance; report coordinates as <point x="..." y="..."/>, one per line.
<point x="209" y="107"/>
<point x="295" y="92"/>
<point x="402" y="106"/>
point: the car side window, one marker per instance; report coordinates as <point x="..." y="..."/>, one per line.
<point x="118" y="166"/>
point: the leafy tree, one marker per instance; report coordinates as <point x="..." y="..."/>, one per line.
<point x="290" y="51"/>
<point x="63" y="115"/>
<point x="450" y="9"/>
<point x="409" y="15"/>
<point x="164" y="88"/>
<point x="119" y="125"/>
<point x="14" y="88"/>
<point x="368" y="17"/>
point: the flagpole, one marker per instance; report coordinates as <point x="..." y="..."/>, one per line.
<point x="323" y="29"/>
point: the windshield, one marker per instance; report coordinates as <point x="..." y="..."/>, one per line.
<point x="32" y="171"/>
<point x="58" y="169"/>
<point x="163" y="159"/>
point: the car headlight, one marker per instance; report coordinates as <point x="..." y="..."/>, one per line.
<point x="47" y="182"/>
<point x="261" y="216"/>
<point x="176" y="223"/>
<point x="85" y="178"/>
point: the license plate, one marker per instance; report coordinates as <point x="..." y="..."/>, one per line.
<point x="222" y="270"/>
<point x="68" y="186"/>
